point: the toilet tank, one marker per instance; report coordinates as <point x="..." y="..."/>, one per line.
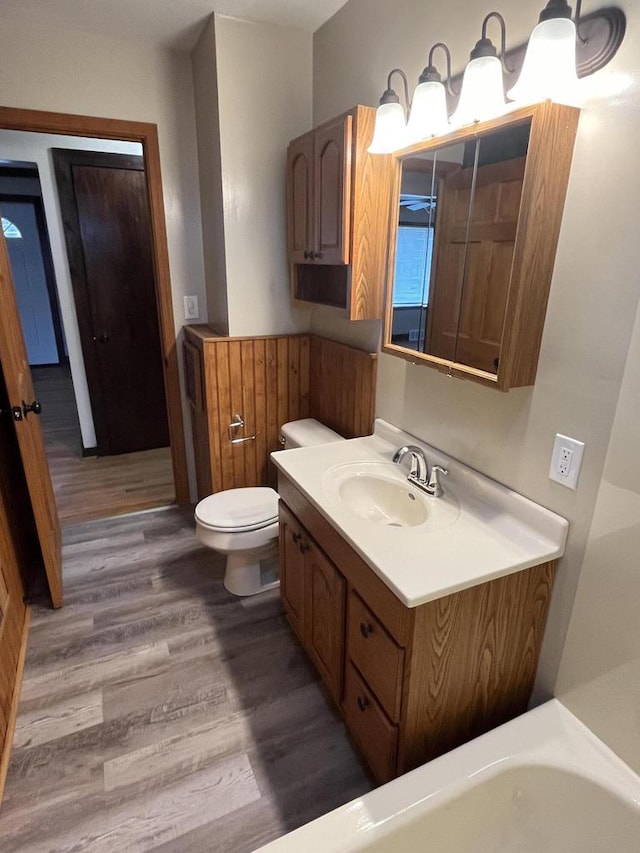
<point x="305" y="433"/>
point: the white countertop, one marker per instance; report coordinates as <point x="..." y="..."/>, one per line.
<point x="496" y="532"/>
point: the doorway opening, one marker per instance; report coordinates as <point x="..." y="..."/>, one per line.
<point x="94" y="301"/>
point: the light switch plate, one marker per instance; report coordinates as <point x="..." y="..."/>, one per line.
<point x="566" y="460"/>
<point x="191" y="310"/>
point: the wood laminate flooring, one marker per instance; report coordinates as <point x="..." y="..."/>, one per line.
<point x="158" y="712"/>
<point x="94" y="486"/>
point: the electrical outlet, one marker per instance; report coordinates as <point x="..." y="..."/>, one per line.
<point x="191" y="310"/>
<point x="566" y="460"/>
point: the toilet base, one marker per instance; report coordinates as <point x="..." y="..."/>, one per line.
<point x="245" y="573"/>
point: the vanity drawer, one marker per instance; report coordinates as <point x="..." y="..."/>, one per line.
<point x="377" y="656"/>
<point x="368" y="723"/>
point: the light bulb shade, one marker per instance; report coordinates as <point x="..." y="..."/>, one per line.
<point x="390" y="130"/>
<point x="428" y="116"/>
<point x="482" y="94"/>
<point x="549" y="68"/>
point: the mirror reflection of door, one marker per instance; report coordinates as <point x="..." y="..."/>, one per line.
<point x="458" y="215"/>
<point x="492" y="234"/>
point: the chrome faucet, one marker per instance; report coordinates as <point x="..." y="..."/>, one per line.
<point x="420" y="470"/>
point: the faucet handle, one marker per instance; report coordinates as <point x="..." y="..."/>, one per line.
<point x="434" y="485"/>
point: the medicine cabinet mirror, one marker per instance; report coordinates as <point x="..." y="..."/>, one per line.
<point x="473" y="234"/>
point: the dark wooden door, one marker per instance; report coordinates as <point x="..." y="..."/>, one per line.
<point x="332" y="189"/>
<point x="105" y="211"/>
<point x="30" y="442"/>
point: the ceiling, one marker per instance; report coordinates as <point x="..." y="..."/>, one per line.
<point x="172" y="23"/>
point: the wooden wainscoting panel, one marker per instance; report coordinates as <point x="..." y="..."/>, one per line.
<point x="342" y="387"/>
<point x="268" y="381"/>
<point x="264" y="380"/>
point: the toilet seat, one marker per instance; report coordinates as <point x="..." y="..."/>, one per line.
<point x="238" y="510"/>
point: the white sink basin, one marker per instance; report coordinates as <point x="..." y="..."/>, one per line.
<point x="380" y="493"/>
<point x="421" y="547"/>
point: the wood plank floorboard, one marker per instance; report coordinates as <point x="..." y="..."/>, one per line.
<point x="160" y="713"/>
<point x="94" y="487"/>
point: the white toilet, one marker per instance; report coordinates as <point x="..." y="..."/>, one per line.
<point x="243" y="523"/>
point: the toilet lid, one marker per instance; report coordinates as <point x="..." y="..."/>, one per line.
<point x="239" y="509"/>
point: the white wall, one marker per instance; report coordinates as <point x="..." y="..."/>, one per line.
<point x="599" y="677"/>
<point x="89" y="74"/>
<point x="205" y="80"/>
<point x="264" y="77"/>
<point x="35" y="147"/>
<point x="594" y="294"/>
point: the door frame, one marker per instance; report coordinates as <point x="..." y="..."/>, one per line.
<point x="146" y="134"/>
<point x="47" y="261"/>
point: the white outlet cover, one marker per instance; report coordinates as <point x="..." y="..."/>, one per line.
<point x="191" y="309"/>
<point x="570" y="479"/>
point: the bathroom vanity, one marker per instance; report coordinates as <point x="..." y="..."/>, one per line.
<point x="424" y="616"/>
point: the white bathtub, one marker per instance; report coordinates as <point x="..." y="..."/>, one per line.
<point x="542" y="783"/>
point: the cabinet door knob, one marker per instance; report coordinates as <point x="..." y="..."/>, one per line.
<point x="296" y="537"/>
<point x="366" y="629"/>
<point x="305" y="547"/>
<point x="363" y="703"/>
<point x="308" y="256"/>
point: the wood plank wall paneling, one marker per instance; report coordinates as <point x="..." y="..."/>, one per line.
<point x="269" y="381"/>
<point x="342" y="387"/>
<point x="262" y="380"/>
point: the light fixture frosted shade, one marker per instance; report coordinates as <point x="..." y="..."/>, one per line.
<point x="549" y="68"/>
<point x="428" y="115"/>
<point x="390" y="130"/>
<point x="482" y="95"/>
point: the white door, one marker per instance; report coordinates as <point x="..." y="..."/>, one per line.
<point x="29" y="277"/>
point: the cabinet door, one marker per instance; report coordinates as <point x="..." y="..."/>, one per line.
<point x="300" y="198"/>
<point x="325" y="611"/>
<point x="332" y="184"/>
<point x="292" y="571"/>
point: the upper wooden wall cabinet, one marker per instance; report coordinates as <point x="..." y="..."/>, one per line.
<point x="473" y="235"/>
<point x="337" y="203"/>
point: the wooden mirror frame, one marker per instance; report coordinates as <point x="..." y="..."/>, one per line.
<point x="553" y="130"/>
<point x="147" y="135"/>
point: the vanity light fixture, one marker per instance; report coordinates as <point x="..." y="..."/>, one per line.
<point x="559" y="52"/>
<point x="428" y="116"/>
<point x="390" y="130"/>
<point x="482" y="93"/>
<point x="549" y="68"/>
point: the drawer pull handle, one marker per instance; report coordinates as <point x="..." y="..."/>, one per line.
<point x="363" y="703"/>
<point x="305" y="547"/>
<point x="366" y="629"/>
<point x="296" y="537"/>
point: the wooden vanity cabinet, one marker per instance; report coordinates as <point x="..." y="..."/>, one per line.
<point x="313" y="594"/>
<point x="337" y="212"/>
<point x="411" y="683"/>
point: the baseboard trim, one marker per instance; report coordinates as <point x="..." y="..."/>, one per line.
<point x="15" y="701"/>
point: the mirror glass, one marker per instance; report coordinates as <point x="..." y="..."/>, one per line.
<point x="456" y="223"/>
